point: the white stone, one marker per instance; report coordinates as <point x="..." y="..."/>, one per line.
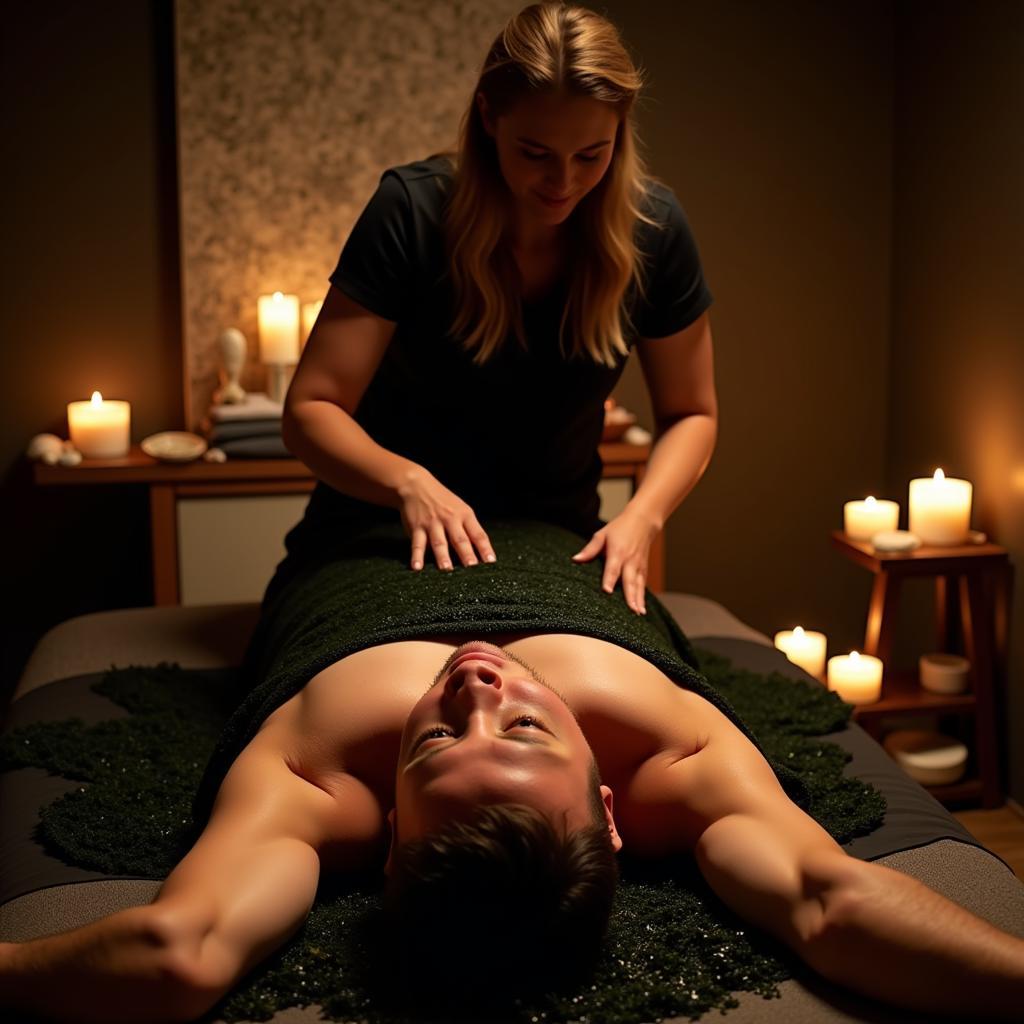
<point x="215" y="455"/>
<point x="895" y="540"/>
<point x="70" y="457"/>
<point x="43" y="444"/>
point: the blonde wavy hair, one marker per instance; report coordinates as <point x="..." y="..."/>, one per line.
<point x="548" y="48"/>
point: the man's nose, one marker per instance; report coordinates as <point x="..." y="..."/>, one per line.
<point x="472" y="675"/>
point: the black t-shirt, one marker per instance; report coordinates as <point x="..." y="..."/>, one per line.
<point x="517" y="436"/>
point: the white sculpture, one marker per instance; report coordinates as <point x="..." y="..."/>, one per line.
<point x="232" y="353"/>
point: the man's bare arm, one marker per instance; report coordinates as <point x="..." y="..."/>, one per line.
<point x="242" y="890"/>
<point x="861" y="925"/>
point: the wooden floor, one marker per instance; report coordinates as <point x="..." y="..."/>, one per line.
<point x="1001" y="830"/>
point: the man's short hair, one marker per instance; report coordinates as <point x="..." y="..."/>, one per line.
<point x="500" y="896"/>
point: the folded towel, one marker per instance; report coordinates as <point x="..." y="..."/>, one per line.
<point x="359" y="593"/>
<point x="256" y="406"/>
<point x="255" y="448"/>
<point x="232" y="430"/>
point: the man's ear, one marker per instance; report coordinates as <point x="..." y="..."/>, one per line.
<point x="606" y="796"/>
<point x="391" y="842"/>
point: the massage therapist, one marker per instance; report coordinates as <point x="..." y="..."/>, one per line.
<point x="483" y="308"/>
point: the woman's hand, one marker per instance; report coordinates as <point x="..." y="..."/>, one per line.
<point x="433" y="514"/>
<point x="626" y="542"/>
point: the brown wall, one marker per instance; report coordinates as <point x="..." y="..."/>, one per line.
<point x="91" y="297"/>
<point x="774" y="125"/>
<point x="957" y="391"/>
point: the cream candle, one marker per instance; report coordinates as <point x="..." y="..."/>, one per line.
<point x="863" y="519"/>
<point x="310" y="311"/>
<point x="857" y="678"/>
<point x="940" y="509"/>
<point x="279" y="328"/>
<point x="100" y="429"/>
<point x="805" y="648"/>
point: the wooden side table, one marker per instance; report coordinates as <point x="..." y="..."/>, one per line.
<point x="973" y="587"/>
<point x="169" y="483"/>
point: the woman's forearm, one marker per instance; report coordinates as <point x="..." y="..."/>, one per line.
<point x="343" y="455"/>
<point x="678" y="460"/>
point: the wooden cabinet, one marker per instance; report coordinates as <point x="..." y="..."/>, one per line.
<point x="217" y="530"/>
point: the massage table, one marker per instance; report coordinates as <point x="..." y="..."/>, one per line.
<point x="40" y="894"/>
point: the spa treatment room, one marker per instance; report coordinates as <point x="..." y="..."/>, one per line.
<point x="512" y="512"/>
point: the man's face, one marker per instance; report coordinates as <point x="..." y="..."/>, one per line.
<point x="488" y="731"/>
<point x="555" y="146"/>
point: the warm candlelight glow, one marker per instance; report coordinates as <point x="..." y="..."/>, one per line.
<point x="863" y="519"/>
<point x="310" y="311"/>
<point x="940" y="509"/>
<point x="279" y="328"/>
<point x="805" y="648"/>
<point x="856" y="677"/>
<point x="100" y="429"/>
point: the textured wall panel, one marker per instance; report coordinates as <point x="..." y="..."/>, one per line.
<point x="288" y="112"/>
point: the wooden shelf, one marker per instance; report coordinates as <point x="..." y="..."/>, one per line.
<point x="137" y="467"/>
<point x="902" y="693"/>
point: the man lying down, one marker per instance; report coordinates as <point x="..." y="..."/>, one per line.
<point x="490" y="738"/>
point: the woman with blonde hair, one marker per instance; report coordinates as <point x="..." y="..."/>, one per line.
<point x="483" y="308"/>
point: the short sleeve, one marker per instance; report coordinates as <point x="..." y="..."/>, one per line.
<point x="375" y="267"/>
<point x="676" y="292"/>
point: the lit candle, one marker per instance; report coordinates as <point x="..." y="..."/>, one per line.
<point x="805" y="648"/>
<point x="940" y="509"/>
<point x="100" y="429"/>
<point x="310" y="311"/>
<point x="857" y="678"/>
<point x="279" y="328"/>
<point x="863" y="519"/>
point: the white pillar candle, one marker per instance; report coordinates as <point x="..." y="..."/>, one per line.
<point x="100" y="429"/>
<point x="940" y="509"/>
<point x="863" y="519"/>
<point x="857" y="678"/>
<point x="805" y="648"/>
<point x="310" y="311"/>
<point x="279" y="328"/>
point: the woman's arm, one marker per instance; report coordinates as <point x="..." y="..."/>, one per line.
<point x="679" y="371"/>
<point x="340" y="359"/>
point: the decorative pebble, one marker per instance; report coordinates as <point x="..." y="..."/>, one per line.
<point x="215" y="455"/>
<point x="45" y="444"/>
<point x="70" y="457"/>
<point x="895" y="540"/>
<point x="637" y="435"/>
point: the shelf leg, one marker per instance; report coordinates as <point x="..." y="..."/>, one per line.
<point x="946" y="613"/>
<point x="976" y="619"/>
<point x="164" y="542"/>
<point x="885" y="596"/>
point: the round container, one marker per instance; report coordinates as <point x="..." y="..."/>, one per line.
<point x="944" y="673"/>
<point x="929" y="757"/>
<point x="174" y="446"/>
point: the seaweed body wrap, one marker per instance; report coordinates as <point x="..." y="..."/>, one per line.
<point x="361" y="593"/>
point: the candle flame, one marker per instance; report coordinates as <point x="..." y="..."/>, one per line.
<point x="799" y="631"/>
<point x="869" y="500"/>
<point x="97" y="398"/>
<point x="854" y="654"/>
<point x="939" y="475"/>
<point x="278" y="296"/>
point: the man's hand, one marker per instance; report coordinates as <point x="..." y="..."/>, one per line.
<point x="431" y="512"/>
<point x="626" y="542"/>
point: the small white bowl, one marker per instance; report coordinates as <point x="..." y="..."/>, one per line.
<point x="944" y="673"/>
<point x="174" y="446"/>
<point x="929" y="757"/>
